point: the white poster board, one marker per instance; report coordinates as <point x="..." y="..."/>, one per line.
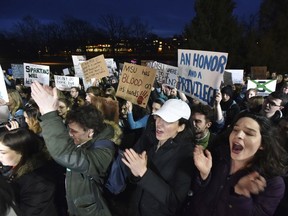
<point x="33" y="72"/>
<point x="201" y="73"/>
<point x="264" y="87"/>
<point x="3" y="90"/>
<point x="65" y="83"/>
<point x="237" y="75"/>
<point x="166" y="74"/>
<point x="77" y="60"/>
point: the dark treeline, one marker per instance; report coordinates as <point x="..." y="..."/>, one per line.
<point x="260" y="40"/>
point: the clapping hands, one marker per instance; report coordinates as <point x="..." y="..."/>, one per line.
<point x="137" y="163"/>
<point x="45" y="97"/>
<point x="203" y="161"/>
<point x="253" y="183"/>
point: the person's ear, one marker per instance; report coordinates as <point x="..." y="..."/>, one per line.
<point x="209" y="124"/>
<point x="181" y="128"/>
<point x="90" y="133"/>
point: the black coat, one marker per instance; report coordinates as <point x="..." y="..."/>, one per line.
<point x="163" y="188"/>
<point x="35" y="185"/>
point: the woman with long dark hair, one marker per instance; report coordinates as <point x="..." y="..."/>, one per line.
<point x="27" y="166"/>
<point x="245" y="177"/>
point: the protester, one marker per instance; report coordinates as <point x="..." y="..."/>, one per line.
<point x="228" y="106"/>
<point x="254" y="104"/>
<point x="64" y="107"/>
<point x="92" y="92"/>
<point x="248" y="94"/>
<point x="7" y="199"/>
<point x="30" y="171"/>
<point x="78" y="150"/>
<point x="245" y="178"/>
<point x="202" y="118"/>
<point x="273" y="105"/>
<point x="161" y="174"/>
<point x="4" y="113"/>
<point x="15" y="104"/>
<point x="76" y="97"/>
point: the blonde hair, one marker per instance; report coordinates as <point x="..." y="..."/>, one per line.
<point x="16" y="102"/>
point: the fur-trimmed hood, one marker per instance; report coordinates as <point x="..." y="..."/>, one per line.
<point x="117" y="135"/>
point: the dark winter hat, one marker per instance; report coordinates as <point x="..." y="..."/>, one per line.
<point x="227" y="90"/>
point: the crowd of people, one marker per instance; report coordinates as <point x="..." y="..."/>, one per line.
<point x="182" y="157"/>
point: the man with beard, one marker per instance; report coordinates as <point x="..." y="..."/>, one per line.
<point x="202" y="118"/>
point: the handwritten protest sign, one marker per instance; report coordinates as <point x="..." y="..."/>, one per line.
<point x="201" y="73"/>
<point x="166" y="74"/>
<point x="33" y="72"/>
<point x="95" y="68"/>
<point x="17" y="70"/>
<point x="135" y="83"/>
<point x="111" y="65"/>
<point x="77" y="60"/>
<point x="264" y="87"/>
<point x="3" y="90"/>
<point x="65" y="83"/>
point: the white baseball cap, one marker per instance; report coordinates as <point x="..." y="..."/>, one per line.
<point x="173" y="110"/>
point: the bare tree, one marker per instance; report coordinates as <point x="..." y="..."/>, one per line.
<point x="115" y="29"/>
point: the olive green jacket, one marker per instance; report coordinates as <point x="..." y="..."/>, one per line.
<point x="84" y="196"/>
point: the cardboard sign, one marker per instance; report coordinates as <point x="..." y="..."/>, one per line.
<point x="258" y="72"/>
<point x="95" y="68"/>
<point x="3" y="90"/>
<point x="33" y="72"/>
<point x="264" y="87"/>
<point x="65" y="83"/>
<point x="166" y="74"/>
<point x="17" y="70"/>
<point x="201" y="73"/>
<point x="135" y="83"/>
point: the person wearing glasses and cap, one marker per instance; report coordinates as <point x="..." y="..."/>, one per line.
<point x="162" y="173"/>
<point x="273" y="105"/>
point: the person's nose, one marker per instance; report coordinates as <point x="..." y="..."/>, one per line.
<point x="240" y="134"/>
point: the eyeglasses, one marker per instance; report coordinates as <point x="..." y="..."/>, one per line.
<point x="271" y="103"/>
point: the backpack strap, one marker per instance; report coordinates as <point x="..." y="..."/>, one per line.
<point x="103" y="144"/>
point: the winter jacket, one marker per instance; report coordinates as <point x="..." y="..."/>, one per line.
<point x="215" y="196"/>
<point x="34" y="184"/>
<point x="163" y="188"/>
<point x="84" y="195"/>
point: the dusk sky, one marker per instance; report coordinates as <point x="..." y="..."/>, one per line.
<point x="165" y="17"/>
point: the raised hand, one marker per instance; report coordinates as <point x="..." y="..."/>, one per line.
<point x="45" y="97"/>
<point x="202" y="161"/>
<point x="137" y="163"/>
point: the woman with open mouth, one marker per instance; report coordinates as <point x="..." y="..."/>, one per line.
<point x="245" y="176"/>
